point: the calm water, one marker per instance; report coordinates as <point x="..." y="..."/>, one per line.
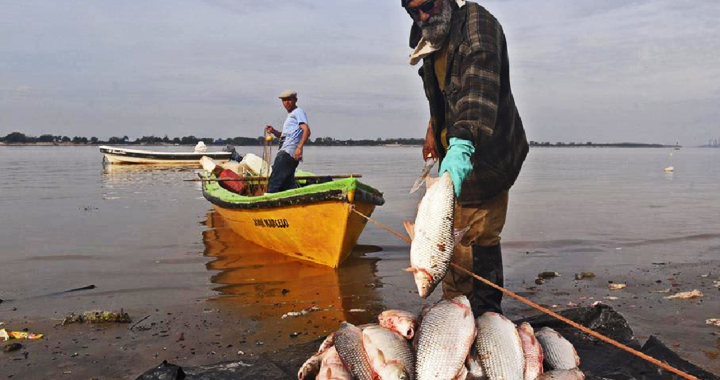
<point x="146" y="238"/>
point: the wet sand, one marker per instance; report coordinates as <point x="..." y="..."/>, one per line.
<point x="223" y="329"/>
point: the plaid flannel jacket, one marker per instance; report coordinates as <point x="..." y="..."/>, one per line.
<point x="477" y="103"/>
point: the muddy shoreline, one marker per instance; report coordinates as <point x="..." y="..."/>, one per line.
<point x="215" y="330"/>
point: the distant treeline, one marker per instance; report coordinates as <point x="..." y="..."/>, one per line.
<point x="592" y="144"/>
<point x="21" y="138"/>
<point x="47" y="139"/>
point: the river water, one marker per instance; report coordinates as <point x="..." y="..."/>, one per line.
<point x="147" y="238"/>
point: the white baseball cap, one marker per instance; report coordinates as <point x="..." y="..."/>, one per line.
<point x="288" y="94"/>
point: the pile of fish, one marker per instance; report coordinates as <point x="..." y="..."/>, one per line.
<point x="445" y="342"/>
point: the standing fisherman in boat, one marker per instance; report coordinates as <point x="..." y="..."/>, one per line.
<point x="295" y="133"/>
<point x="474" y="128"/>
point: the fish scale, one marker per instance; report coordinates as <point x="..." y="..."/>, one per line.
<point x="433" y="239"/>
<point x="563" y="374"/>
<point x="559" y="352"/>
<point x="500" y="348"/>
<point x="349" y="345"/>
<point x="445" y="336"/>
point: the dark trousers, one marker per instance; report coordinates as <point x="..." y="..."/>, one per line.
<point x="283" y="173"/>
<point x="487" y="263"/>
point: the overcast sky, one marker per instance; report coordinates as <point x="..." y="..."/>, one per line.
<point x="590" y="70"/>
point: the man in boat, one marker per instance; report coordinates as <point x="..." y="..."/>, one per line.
<point x="295" y="133"/>
<point x="474" y="129"/>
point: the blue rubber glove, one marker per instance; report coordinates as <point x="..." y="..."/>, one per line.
<point x="457" y="162"/>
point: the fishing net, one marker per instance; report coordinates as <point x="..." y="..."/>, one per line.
<point x="599" y="360"/>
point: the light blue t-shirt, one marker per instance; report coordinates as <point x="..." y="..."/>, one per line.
<point x="291" y="132"/>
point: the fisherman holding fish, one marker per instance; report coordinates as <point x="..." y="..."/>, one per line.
<point x="294" y="134"/>
<point x="474" y="129"/>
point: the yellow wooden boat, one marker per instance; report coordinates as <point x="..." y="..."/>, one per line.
<point x="316" y="222"/>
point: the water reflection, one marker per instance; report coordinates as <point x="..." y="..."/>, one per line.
<point x="268" y="284"/>
<point x="119" y="181"/>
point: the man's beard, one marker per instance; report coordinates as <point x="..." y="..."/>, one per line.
<point x="436" y="28"/>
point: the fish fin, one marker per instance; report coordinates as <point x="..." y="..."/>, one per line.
<point x="411" y="270"/>
<point x="380" y="355"/>
<point x="410" y="228"/>
<point x="429" y="181"/>
<point x="458" y="234"/>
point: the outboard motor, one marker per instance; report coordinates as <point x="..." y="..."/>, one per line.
<point x="235" y="155"/>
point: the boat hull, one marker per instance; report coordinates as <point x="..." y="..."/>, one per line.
<point x="135" y="156"/>
<point x="319" y="223"/>
<point x="323" y="233"/>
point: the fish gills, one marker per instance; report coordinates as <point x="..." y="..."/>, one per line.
<point x="559" y="352"/>
<point x="563" y="374"/>
<point x="533" y="352"/>
<point x="432" y="236"/>
<point x="332" y="367"/>
<point x="349" y="345"/>
<point x="500" y="348"/>
<point x="389" y="353"/>
<point x="444" y="339"/>
<point x="400" y="321"/>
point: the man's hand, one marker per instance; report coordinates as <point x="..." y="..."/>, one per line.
<point x="430" y="148"/>
<point x="298" y="153"/>
<point x="457" y="162"/>
<point x="269" y="129"/>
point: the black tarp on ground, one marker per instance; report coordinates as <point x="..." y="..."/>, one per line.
<point x="599" y="360"/>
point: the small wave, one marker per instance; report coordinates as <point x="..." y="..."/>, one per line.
<point x="674" y="239"/>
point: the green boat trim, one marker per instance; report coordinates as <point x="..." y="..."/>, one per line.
<point x="328" y="191"/>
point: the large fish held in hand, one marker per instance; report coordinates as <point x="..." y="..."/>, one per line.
<point x="444" y="339"/>
<point x="432" y="235"/>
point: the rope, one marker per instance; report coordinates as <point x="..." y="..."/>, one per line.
<point x="267" y="157"/>
<point x="578" y="326"/>
<point x="547" y="311"/>
<point x="402" y="237"/>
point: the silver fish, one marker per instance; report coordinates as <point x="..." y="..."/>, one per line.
<point x="400" y="321"/>
<point x="389" y="353"/>
<point x="559" y="352"/>
<point x="311" y="367"/>
<point x="432" y="236"/>
<point x="349" y="345"/>
<point x="533" y="352"/>
<point x="500" y="348"/>
<point x="332" y="367"/>
<point x="444" y="339"/>
<point x="563" y="374"/>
